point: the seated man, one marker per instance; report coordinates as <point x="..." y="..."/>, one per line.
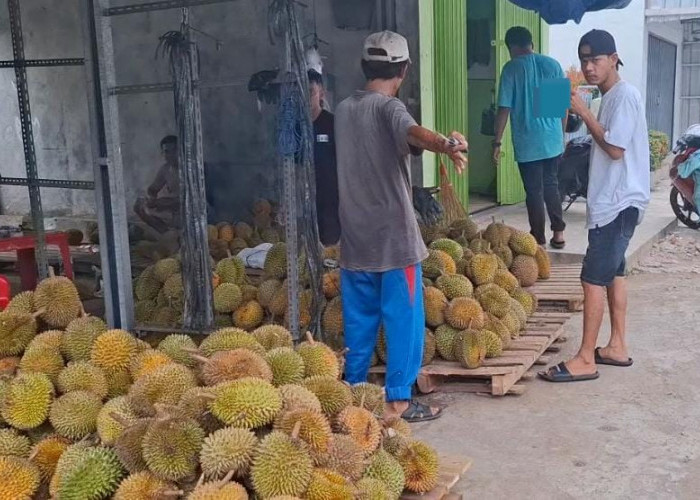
<point x="160" y="209"/>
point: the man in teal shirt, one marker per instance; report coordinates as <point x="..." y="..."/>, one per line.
<point x="538" y="142"/>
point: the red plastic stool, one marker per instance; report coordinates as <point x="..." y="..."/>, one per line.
<point x="26" y="261"/>
<point x="4" y="292"/>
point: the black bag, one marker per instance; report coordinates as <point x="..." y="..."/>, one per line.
<point x="573" y="169"/>
<point x="488" y="118"/>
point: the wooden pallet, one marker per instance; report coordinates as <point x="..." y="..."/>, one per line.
<point x="497" y="376"/>
<point x="451" y="471"/>
<point x="562" y="291"/>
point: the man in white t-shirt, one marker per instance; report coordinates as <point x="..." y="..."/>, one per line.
<point x="618" y="195"/>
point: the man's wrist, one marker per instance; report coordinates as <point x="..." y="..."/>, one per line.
<point x="496" y="144"/>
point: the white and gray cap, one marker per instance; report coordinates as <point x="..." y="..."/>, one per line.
<point x="386" y="46"/>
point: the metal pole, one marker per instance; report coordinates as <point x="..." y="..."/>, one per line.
<point x="109" y="178"/>
<point x="290" y="210"/>
<point x="25" y="116"/>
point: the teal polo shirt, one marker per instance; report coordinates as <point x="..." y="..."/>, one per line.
<point x="533" y="138"/>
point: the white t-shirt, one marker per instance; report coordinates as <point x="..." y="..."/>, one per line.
<point x="614" y="185"/>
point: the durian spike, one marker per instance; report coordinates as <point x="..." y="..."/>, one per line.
<point x="200" y="481"/>
<point x="120" y="419"/>
<point x="296" y="430"/>
<point x="227" y="478"/>
<point x="172" y="493"/>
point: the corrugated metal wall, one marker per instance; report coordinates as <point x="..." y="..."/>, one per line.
<point x="510" y="187"/>
<point x="661" y="85"/>
<point x="690" y="75"/>
<point x="451" y="77"/>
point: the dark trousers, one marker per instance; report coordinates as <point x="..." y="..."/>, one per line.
<point x="541" y="182"/>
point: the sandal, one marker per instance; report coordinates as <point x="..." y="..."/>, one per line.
<point x="600" y="360"/>
<point x="557" y="245"/>
<point x="417" y="412"/>
<point x="560" y="373"/>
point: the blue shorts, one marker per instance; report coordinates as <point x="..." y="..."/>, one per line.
<point x="607" y="245"/>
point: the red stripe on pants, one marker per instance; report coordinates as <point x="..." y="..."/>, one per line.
<point x="410" y="273"/>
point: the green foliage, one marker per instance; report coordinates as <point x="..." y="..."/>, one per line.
<point x="659" y="147"/>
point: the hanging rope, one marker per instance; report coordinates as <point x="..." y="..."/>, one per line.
<point x="181" y="52"/>
<point x="295" y="138"/>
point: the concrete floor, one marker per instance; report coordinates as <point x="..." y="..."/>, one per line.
<point x="633" y="433"/>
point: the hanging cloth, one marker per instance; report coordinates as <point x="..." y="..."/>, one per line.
<point x="562" y="11"/>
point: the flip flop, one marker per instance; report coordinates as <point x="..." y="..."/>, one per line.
<point x="600" y="360"/>
<point x="560" y="373"/>
<point x="557" y="245"/>
<point x="417" y="412"/>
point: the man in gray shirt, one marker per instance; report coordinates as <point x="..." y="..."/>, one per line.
<point x="380" y="244"/>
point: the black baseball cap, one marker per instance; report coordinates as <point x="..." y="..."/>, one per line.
<point x="601" y="43"/>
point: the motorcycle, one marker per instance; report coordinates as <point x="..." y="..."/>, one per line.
<point x="682" y="190"/>
<point x="573" y="170"/>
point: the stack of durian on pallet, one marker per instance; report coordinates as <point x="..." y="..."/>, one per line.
<point x="90" y="413"/>
<point x="475" y="289"/>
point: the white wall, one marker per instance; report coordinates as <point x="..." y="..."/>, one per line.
<point x="671" y="31"/>
<point x="626" y="25"/>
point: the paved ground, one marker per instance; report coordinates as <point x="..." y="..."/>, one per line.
<point x="633" y="433"/>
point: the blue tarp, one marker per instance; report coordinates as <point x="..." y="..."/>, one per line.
<point x="562" y="11"/>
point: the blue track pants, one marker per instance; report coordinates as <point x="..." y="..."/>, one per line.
<point x="394" y="299"/>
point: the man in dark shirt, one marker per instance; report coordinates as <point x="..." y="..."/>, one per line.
<point x="325" y="164"/>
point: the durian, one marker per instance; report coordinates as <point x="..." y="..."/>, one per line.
<point x="228" y="449"/>
<point x="80" y="334"/>
<point x="295" y="397"/>
<point x="329" y="485"/>
<point x="470" y="348"/>
<point x="369" y="396"/>
<point x="267" y="290"/>
<point x="271" y="473"/>
<point x="14" y="444"/>
<point x="19" y="479"/>
<point x="273" y="336"/>
<point x="146" y="362"/>
<point x="112" y="350"/>
<point x="362" y="426"/>
<point x="276" y="261"/>
<point x="113" y="418"/>
<point x="420" y="465"/>
<point x="227" y="339"/>
<point x="454" y="285"/>
<point x="464" y="313"/>
<point x="74" y="415"/>
<point x="435" y="304"/>
<point x="249" y="316"/>
<point x="145" y="486"/>
<point x="444" y="342"/>
<point x="523" y="243"/>
<point x="319" y="359"/>
<point x="46" y="453"/>
<point x="544" y="264"/>
<point x="178" y="348"/>
<point x="82" y="376"/>
<point x="333" y="394"/>
<point x="164" y="385"/>
<point x="387" y="469"/>
<point x="247" y="403"/>
<point x="494" y="345"/>
<point x="311" y="426"/>
<point x="165" y="268"/>
<point x="26" y="401"/>
<point x="428" y="348"/>
<point x="42" y="360"/>
<point x="343" y="456"/>
<point x="525" y="269"/>
<point x="58" y="301"/>
<point x="482" y="268"/>
<point x="227" y="298"/>
<point x="93" y="474"/>
<point x="22" y="303"/>
<point x="171" y="448"/>
<point x="287" y="366"/>
<point x="231" y="365"/>
<point x="16" y="331"/>
<point x="450" y="247"/>
<point x="527" y="299"/>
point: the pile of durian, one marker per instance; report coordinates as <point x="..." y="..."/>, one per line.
<point x="226" y="238"/>
<point x="475" y="293"/>
<point x="91" y="413"/>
